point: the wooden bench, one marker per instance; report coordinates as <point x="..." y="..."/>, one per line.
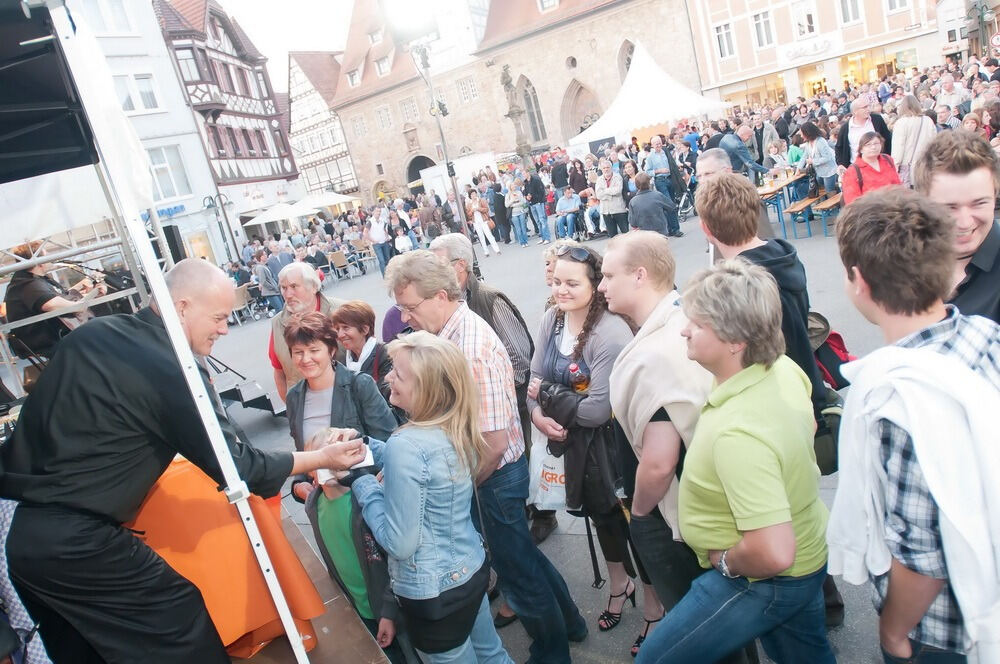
<point x="800" y="211"/>
<point x="826" y="210"/>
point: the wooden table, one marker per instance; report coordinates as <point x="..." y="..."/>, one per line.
<point x="777" y="194"/>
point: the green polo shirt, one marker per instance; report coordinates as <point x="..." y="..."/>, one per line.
<point x="751" y="465"/>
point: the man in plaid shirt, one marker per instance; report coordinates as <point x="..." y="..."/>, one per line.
<point x="429" y="298"/>
<point x="898" y="250"/>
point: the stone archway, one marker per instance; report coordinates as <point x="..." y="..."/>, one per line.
<point x="380" y="190"/>
<point x="418" y="163"/>
<point x="580" y="108"/>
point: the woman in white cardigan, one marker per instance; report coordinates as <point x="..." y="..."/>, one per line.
<point x="911" y="135"/>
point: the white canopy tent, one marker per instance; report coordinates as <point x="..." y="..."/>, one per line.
<point x="280" y="212"/>
<point x="648" y="97"/>
<point x="327" y="199"/>
<point x="118" y="186"/>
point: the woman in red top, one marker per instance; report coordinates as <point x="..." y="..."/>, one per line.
<point x="871" y="170"/>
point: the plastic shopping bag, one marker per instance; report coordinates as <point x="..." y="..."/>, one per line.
<point x="547" y="490"/>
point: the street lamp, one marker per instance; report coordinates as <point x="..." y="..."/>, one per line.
<point x="983" y="13"/>
<point x="413" y="23"/>
<point x="215" y="203"/>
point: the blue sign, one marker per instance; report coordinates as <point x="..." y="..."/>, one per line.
<point x="165" y="212"/>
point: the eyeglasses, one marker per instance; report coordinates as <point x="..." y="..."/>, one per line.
<point x="579" y="254"/>
<point x="409" y="308"/>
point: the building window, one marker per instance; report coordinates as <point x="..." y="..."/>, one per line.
<point x="262" y="84"/>
<point x="216" y="136"/>
<point x="359" y="126"/>
<point x="353" y="78"/>
<point x="234" y="142"/>
<point x="249" y="143"/>
<point x="804" y="18"/>
<point x="186" y="63"/>
<point x="850" y="12"/>
<point x="243" y="81"/>
<point x="762" y="29"/>
<point x="262" y="142"/>
<point x="383" y="117"/>
<point x="724" y="39"/>
<point x="204" y="68"/>
<point x="123" y="89"/>
<point x="169" y="178"/>
<point x="952" y="36"/>
<point x="546" y="5"/>
<point x="898" y="5"/>
<point x="467" y="89"/>
<point x="535" y="122"/>
<point x="379" y="170"/>
<point x="136" y="92"/>
<point x="375" y="37"/>
<point x="382" y="66"/>
<point x="107" y="16"/>
<point x="279" y="142"/>
<point x="408" y="109"/>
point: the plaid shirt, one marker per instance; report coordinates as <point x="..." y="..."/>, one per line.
<point x="911" y="528"/>
<point x="491" y="369"/>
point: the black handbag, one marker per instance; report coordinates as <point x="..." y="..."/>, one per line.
<point x="813" y="182"/>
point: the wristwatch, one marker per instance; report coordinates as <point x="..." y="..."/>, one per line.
<point x="724" y="568"/>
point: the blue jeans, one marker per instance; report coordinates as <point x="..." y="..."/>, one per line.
<point x="718" y="615"/>
<point x="413" y="239"/>
<point x="482" y="646"/>
<point x="383" y="251"/>
<point x="530" y="584"/>
<point x="542" y="220"/>
<point x="565" y="224"/>
<point x="830" y="184"/>
<point x="662" y="184"/>
<point x="275" y="302"/>
<point x="520" y="229"/>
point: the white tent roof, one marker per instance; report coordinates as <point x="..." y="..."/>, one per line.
<point x="326" y="199"/>
<point x="649" y="96"/>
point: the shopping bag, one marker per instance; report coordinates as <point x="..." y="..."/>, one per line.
<point x="547" y="490"/>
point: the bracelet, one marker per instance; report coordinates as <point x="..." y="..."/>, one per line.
<point x="724" y="568"/>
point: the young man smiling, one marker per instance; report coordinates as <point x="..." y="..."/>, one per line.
<point x="960" y="171"/>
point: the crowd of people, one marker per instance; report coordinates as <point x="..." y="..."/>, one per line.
<point x="686" y="419"/>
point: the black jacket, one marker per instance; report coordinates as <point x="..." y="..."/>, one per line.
<point x="779" y="258"/>
<point x="781" y="126"/>
<point x="843" y="149"/>
<point x="648" y="211"/>
<point x="536" y="189"/>
<point x="560" y="175"/>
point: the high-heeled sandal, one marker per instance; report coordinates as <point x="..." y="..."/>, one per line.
<point x="642" y="637"/>
<point x="608" y="620"/>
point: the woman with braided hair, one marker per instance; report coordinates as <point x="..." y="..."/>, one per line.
<point x="569" y="399"/>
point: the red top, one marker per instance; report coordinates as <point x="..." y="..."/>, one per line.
<point x="871" y="179"/>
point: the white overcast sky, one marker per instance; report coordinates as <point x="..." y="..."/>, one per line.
<point x="279" y="26"/>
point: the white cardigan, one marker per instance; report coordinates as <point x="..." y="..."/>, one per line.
<point x="910" y="137"/>
<point x="949" y="412"/>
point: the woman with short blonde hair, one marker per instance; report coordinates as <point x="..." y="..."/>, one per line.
<point x="420" y="512"/>
<point x="748" y="504"/>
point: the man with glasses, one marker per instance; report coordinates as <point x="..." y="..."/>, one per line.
<point x="861" y="122"/>
<point x="429" y="298"/>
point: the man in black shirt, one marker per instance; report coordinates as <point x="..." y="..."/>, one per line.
<point x="31" y="293"/>
<point x="960" y="171"/>
<point x="103" y="422"/>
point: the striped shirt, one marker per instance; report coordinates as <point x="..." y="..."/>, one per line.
<point x="491" y="369"/>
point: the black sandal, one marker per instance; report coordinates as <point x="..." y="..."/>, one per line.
<point x="642" y="637"/>
<point x="608" y="620"/>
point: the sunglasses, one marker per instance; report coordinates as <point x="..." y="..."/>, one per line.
<point x="578" y="254"/>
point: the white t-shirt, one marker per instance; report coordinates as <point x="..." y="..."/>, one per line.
<point x="316" y="412"/>
<point x="855" y="132"/>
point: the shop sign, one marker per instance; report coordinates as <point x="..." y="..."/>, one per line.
<point x="955" y="46"/>
<point x="995" y="40"/>
<point x="165" y="212"/>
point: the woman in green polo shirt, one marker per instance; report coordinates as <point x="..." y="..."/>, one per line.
<point x="749" y="494"/>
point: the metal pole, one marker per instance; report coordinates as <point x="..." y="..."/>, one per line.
<point x="161" y="239"/>
<point x="123" y="234"/>
<point x="423" y="66"/>
<point x="229" y="226"/>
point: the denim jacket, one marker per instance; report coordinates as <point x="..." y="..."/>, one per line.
<point x="422" y="514"/>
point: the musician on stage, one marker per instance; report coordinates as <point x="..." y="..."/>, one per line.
<point x="102" y="424"/>
<point x="30" y="293"/>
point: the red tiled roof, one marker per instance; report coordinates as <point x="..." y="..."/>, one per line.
<point x="360" y="54"/>
<point x="171" y="20"/>
<point x="322" y="68"/>
<point x="195" y="12"/>
<point x="511" y="19"/>
<point x="281" y="105"/>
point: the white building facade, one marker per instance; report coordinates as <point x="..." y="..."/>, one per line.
<point x="155" y="103"/>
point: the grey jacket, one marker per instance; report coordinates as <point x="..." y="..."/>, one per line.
<point x="357" y="404"/>
<point x="648" y="211"/>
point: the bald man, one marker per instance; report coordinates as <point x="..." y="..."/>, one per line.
<point x="104" y="420"/>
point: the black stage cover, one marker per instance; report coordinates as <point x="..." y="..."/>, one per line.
<point x="42" y="127"/>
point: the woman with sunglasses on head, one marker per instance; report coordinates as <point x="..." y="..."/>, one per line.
<point x="421" y="513"/>
<point x="577" y="344"/>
